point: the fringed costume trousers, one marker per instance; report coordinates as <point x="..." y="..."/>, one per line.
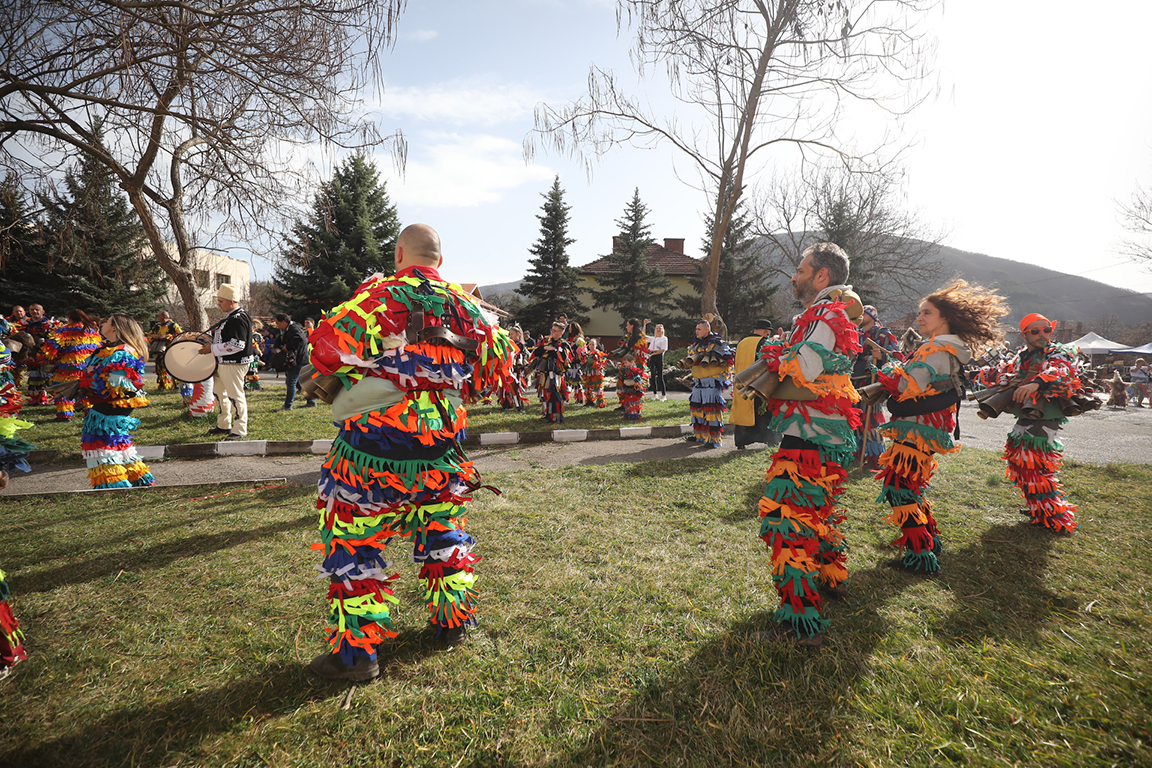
<point x="382" y="481"/>
<point x="633" y="402"/>
<point x="1033" y="453"/>
<point x="707" y="406"/>
<point x="553" y="394"/>
<point x="800" y="527"/>
<point x="905" y="472"/>
<point x="107" y="446"/>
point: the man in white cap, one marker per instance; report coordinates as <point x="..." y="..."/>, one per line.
<point x="232" y="345"/>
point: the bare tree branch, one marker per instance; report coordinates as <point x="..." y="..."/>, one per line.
<point x="201" y="103"/>
<point x="763" y="73"/>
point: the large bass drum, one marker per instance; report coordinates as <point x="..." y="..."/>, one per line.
<point x="184" y="361"/>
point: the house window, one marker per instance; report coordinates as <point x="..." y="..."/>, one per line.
<point x="222" y="279"/>
<point x="202" y="278"/>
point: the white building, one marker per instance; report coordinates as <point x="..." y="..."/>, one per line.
<point x="210" y="270"/>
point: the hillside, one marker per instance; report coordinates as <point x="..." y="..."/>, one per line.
<point x="1029" y="288"/>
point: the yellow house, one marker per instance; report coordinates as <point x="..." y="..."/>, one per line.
<point x="671" y="260"/>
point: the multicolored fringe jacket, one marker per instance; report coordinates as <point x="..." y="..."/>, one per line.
<point x="13" y="451"/>
<point x="937" y="361"/>
<point x="818" y="356"/>
<point x="408" y="348"/>
<point x="1054" y="367"/>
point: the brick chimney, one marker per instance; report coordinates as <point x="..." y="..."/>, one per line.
<point x="674" y="244"/>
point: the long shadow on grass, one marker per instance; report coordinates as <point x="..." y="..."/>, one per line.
<point x="998" y="583"/>
<point x="173" y="731"/>
<point x="734" y="698"/>
<point x="647" y="462"/>
<point x="149" y="557"/>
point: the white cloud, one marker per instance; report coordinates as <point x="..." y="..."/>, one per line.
<point x="462" y="171"/>
<point x="459" y="102"/>
<point x="422" y="35"/>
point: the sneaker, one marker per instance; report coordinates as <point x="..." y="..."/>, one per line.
<point x="692" y="439"/>
<point x="232" y="436"/>
<point x="217" y="431"/>
<point x="785" y="634"/>
<point x="310" y="404"/>
<point x="331" y="667"/>
<point x="285" y="408"/>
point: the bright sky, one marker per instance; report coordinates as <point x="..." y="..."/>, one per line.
<point x="1042" y="124"/>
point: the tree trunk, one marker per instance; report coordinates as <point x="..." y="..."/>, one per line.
<point x="180" y="275"/>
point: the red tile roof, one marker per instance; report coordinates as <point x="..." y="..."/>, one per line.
<point x="670" y="262"/>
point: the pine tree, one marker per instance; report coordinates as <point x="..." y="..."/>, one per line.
<point x="97" y="246"/>
<point x="349" y="235"/>
<point x="550" y="287"/>
<point x="744" y="289"/>
<point x="635" y="287"/>
<point x="25" y="276"/>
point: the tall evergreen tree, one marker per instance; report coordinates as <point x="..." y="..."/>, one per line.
<point x="550" y="288"/>
<point x="97" y="246"/>
<point x="744" y="289"/>
<point x="349" y="234"/>
<point x="25" y="276"/>
<point x="635" y="287"/>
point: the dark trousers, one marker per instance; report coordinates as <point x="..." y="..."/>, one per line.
<point x="291" y="378"/>
<point x="656" y="374"/>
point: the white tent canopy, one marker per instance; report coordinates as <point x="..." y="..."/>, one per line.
<point x="1144" y="350"/>
<point x="1095" y="344"/>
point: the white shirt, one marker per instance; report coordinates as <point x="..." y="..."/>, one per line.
<point x="657" y="344"/>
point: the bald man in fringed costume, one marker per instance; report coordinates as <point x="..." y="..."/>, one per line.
<point x="409" y="349"/>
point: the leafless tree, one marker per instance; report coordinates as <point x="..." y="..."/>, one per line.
<point x="202" y="102"/>
<point x="894" y="253"/>
<point x="1137" y="218"/>
<point x="761" y="74"/>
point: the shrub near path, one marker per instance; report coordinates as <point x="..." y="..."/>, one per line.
<point x="171" y="628"/>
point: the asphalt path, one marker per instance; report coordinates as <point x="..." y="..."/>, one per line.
<point x="1099" y="437"/>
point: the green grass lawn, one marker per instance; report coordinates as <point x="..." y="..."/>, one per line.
<point x="171" y="628"/>
<point x="166" y="421"/>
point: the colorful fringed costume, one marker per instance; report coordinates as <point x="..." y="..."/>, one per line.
<point x="160" y="335"/>
<point x="512" y="391"/>
<point x="114" y="378"/>
<point x="1033" y="450"/>
<point x="864" y="372"/>
<point x="923" y="399"/>
<point x="799" y="519"/>
<point x="409" y="348"/>
<point x="630" y="390"/>
<point x="551" y="360"/>
<point x="595" y="367"/>
<point x="11" y="637"/>
<point x="13" y="451"/>
<point x="574" y="376"/>
<point x="711" y="358"/>
<point x="68" y="349"/>
<point x="38" y="375"/>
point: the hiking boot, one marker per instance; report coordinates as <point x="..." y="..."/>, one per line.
<point x="784" y="634"/>
<point x="331" y="667"/>
<point x="454" y="636"/>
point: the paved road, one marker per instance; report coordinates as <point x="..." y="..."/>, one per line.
<point x="1100" y="437"/>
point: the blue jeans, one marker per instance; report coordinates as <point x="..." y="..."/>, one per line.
<point x="291" y="377"/>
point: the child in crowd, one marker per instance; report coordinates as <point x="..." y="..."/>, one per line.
<point x="597" y="363"/>
<point x="630" y="387"/>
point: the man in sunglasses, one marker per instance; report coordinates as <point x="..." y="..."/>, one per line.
<point x="1043" y="371"/>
